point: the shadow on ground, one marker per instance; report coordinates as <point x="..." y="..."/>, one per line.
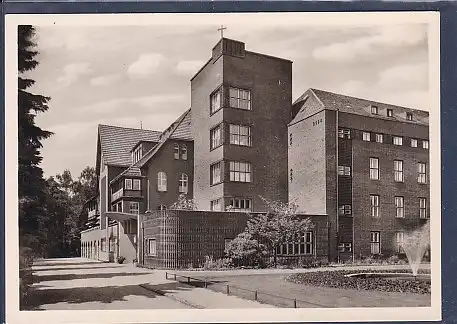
<point x="74" y="268"/>
<point x="52" y="264"/>
<point x="167" y="288"/>
<point x="84" y="276"/>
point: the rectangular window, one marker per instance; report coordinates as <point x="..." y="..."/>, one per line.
<point x="345" y="210"/>
<point x="134" y="207"/>
<point x="409" y="116"/>
<point x="216" y="205"/>
<point x="399" y="207"/>
<point x="161" y="181"/>
<point x="137" y="154"/>
<point x="421" y="173"/>
<point x="240" y="98"/>
<point x="240" y="204"/>
<point x="240" y="171"/>
<point x="152" y="247"/>
<point x="103" y="244"/>
<point x="374" y="110"/>
<point x="375" y="242"/>
<point x="398" y="140"/>
<point x="379" y="138"/>
<point x="136" y="184"/>
<point x="240" y="135"/>
<point x="216" y="102"/>
<point x="216" y="137"/>
<point x="184" y="152"/>
<point x="423" y="207"/>
<point x="374" y="168"/>
<point x="344" y="170"/>
<point x="215" y="173"/>
<point x="345" y="247"/>
<point x="425" y="145"/>
<point x="398" y="170"/>
<point x="390" y="112"/>
<point x="413" y="142"/>
<point x="128" y="184"/>
<point x="399" y="239"/>
<point x="176" y="151"/>
<point x="344" y="133"/>
<point x="366" y="136"/>
<point x="226" y="243"/>
<point x="290" y="139"/>
<point x="303" y="245"/>
<point x="374" y="203"/>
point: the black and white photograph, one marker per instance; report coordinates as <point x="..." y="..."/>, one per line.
<point x="171" y="167"/>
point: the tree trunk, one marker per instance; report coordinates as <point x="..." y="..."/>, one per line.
<point x="275" y="257"/>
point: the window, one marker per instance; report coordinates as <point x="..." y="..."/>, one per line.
<point x="183" y="183"/>
<point x="306" y="243"/>
<point x="374" y="168"/>
<point x="423" y="207"/>
<point x="176" y="151"/>
<point x="216" y="204"/>
<point x="344" y="133"/>
<point x="137" y="154"/>
<point x="103" y="244"/>
<point x="152" y="247"/>
<point x="291" y="175"/>
<point x="240" y="171"/>
<point x="290" y="139"/>
<point x="240" y="204"/>
<point x="399" y="207"/>
<point x="216" y="101"/>
<point x="413" y="142"/>
<point x="344" y="170"/>
<point x="134" y="207"/>
<point x="184" y="152"/>
<point x="226" y="243"/>
<point x="374" y="110"/>
<point x="398" y="170"/>
<point x="128" y="184"/>
<point x="422" y="173"/>
<point x="379" y="138"/>
<point x="136" y="184"/>
<point x="374" y="203"/>
<point x="240" y="98"/>
<point x="398" y="140"/>
<point x="345" y="247"/>
<point x="366" y="136"/>
<point x="375" y="242"/>
<point x="399" y="239"/>
<point x="215" y="171"/>
<point x="162" y="207"/>
<point x="240" y="135"/>
<point x="215" y="134"/>
<point x="162" y="181"/>
<point x="345" y="210"/>
<point x="303" y="245"/>
<point x="409" y="116"/>
<point x="425" y="145"/>
<point x="390" y="112"/>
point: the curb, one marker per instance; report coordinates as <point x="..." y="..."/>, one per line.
<point x="170" y="296"/>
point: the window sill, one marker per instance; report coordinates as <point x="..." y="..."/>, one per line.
<point x="240" y="145"/>
<point x="212" y="113"/>
<point x="213" y="148"/>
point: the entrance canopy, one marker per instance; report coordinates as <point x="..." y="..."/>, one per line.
<point x="120" y="216"/>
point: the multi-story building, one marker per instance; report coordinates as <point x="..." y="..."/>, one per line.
<point x="363" y="163"/>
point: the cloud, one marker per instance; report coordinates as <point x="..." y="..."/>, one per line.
<point x="72" y="72"/>
<point x="148" y="101"/>
<point x="351" y="87"/>
<point x="405" y="76"/>
<point x="146" y="64"/>
<point x="105" y="80"/>
<point x="381" y="40"/>
<point x="188" y="67"/>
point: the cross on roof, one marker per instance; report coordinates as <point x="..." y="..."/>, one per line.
<point x="221" y="29"/>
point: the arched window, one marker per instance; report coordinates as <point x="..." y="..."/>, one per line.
<point x="183" y="183"/>
<point x="176" y="150"/>
<point x="162" y="207"/>
<point x="161" y="181"/>
<point x="184" y="152"/>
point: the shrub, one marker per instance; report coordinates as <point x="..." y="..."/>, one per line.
<point x="120" y="259"/>
<point x="218" y="264"/>
<point x="245" y="251"/>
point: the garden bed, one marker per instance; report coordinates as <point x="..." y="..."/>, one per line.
<point x="338" y="279"/>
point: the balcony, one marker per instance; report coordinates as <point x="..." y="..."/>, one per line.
<point x="92" y="213"/>
<point x="118" y="194"/>
<point x="125" y="193"/>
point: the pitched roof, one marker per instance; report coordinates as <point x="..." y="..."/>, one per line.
<point x="357" y="106"/>
<point x="116" y="142"/>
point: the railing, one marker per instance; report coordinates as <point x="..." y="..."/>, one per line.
<point x="92" y="213"/>
<point x="256" y="295"/>
<point x="118" y="194"/>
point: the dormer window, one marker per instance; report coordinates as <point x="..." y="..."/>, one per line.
<point x="374" y="110"/>
<point x="137" y="154"/>
<point x="409" y="116"/>
<point x="390" y="112"/>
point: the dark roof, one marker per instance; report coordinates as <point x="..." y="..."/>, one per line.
<point x="357" y="106"/>
<point x="116" y="142"/>
<point x="184" y="129"/>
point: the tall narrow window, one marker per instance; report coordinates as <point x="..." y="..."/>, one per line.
<point x="240" y="135"/>
<point x="184" y="152"/>
<point x="128" y="184"/>
<point x="306" y="243"/>
<point x="397" y="140"/>
<point x="136" y="184"/>
<point x="216" y="101"/>
<point x="390" y="112"/>
<point x="161" y="181"/>
<point x="398" y="170"/>
<point x="421" y="173"/>
<point x="399" y="207"/>
<point x="374" y="202"/>
<point x="215" y="137"/>
<point x="375" y="242"/>
<point x="425" y="144"/>
<point x="152" y="247"/>
<point x="379" y="138"/>
<point x="240" y="171"/>
<point x="240" y="98"/>
<point x="413" y="142"/>
<point x="374" y="110"/>
<point x="399" y="239"/>
<point x="290" y="139"/>
<point x="176" y="151"/>
<point x="423" y="207"/>
<point x="374" y="168"/>
<point x="291" y="175"/>
<point x="366" y="136"/>
<point x="183" y="183"/>
<point x="344" y="170"/>
<point x="215" y="173"/>
<point x="134" y="207"/>
<point x="409" y="116"/>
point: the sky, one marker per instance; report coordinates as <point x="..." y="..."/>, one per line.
<point x="127" y="75"/>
